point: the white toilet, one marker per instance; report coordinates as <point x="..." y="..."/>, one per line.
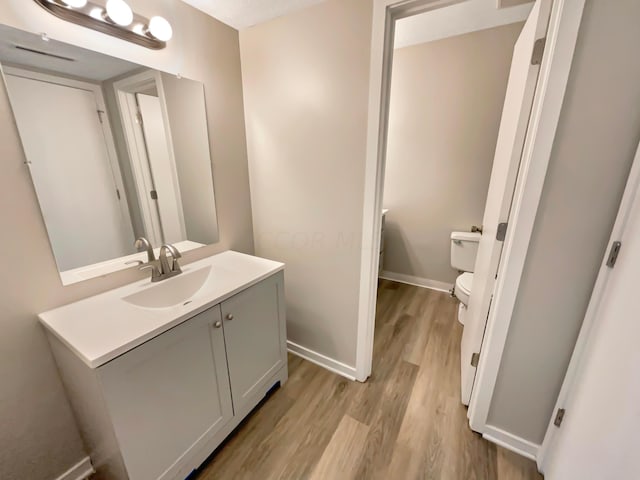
<point x="464" y="248"/>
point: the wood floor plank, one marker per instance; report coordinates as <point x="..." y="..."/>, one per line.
<point x="514" y="467"/>
<point x="414" y="349"/>
<point x="272" y="454"/>
<point x="389" y="354"/>
<point x="385" y="424"/>
<point x="317" y="434"/>
<point x="468" y="455"/>
<point x="406" y="422"/>
<point x="405" y="464"/>
<point x="299" y="378"/>
<point x="342" y="456"/>
<point x="240" y="447"/>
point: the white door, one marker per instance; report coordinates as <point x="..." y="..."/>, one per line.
<point x="513" y="128"/>
<point x="599" y="437"/>
<point x="71" y="171"/>
<point x="163" y="169"/>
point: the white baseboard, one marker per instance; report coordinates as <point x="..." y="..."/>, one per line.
<point x="417" y="281"/>
<point x="80" y="471"/>
<point x="322" y="360"/>
<point x="511" y="442"/>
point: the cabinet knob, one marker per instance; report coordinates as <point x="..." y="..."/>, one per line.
<point x="230" y="316"/>
<point x="218" y="324"/>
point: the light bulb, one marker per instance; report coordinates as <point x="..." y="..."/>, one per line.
<point x="119" y="12"/>
<point x="96" y="13"/>
<point x="160" y="29"/>
<point x="75" y="3"/>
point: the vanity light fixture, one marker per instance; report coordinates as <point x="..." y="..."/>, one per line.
<point x="119" y="13"/>
<point x="113" y="17"/>
<point x="160" y="29"/>
<point x="74" y="3"/>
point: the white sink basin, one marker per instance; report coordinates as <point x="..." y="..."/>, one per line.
<point x="102" y="327"/>
<point x="174" y="291"/>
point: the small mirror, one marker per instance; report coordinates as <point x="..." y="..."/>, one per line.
<point x="115" y="150"/>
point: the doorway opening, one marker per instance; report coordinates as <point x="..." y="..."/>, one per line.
<point x="446" y="97"/>
<point x="537" y="81"/>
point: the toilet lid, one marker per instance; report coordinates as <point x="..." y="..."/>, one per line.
<point x="465" y="282"/>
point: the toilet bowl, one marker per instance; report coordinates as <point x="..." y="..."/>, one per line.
<point x="464" y="249"/>
<point x="462" y="291"/>
<point x="464" y="284"/>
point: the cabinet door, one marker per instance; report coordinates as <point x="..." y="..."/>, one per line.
<point x="254" y="335"/>
<point x="168" y="395"/>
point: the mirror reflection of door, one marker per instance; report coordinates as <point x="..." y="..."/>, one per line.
<point x="72" y="169"/>
<point x="162" y="170"/>
<point x="150" y="150"/>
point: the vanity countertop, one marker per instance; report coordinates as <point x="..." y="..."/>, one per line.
<point x="109" y="266"/>
<point x="100" y="328"/>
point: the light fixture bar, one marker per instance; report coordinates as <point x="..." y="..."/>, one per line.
<point x="83" y="16"/>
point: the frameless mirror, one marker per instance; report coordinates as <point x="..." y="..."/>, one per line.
<point x="115" y="150"/>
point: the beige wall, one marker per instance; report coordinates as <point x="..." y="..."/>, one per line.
<point x="306" y="78"/>
<point x="446" y="104"/>
<point x="597" y="137"/>
<point x="38" y="436"/>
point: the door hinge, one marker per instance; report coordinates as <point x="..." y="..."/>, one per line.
<point x="100" y="112"/>
<point x="118" y="193"/>
<point x="501" y="233"/>
<point x="559" y="417"/>
<point x="154" y="194"/>
<point x="139" y="117"/>
<point x="613" y="254"/>
<point x="475" y="358"/>
<point x="538" y="51"/>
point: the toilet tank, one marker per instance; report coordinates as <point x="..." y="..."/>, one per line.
<point x="464" y="248"/>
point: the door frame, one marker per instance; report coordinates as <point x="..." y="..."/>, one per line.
<point x="562" y="35"/>
<point x="566" y="16"/>
<point x="580" y="351"/>
<point x="125" y="90"/>
<point x="107" y="132"/>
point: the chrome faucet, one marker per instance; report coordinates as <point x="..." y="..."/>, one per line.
<point x="162" y="268"/>
<point x="170" y="269"/>
<point x="144" y="243"/>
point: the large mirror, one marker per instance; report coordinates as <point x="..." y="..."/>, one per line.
<point x="116" y="151"/>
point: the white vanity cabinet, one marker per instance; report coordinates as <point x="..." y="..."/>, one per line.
<point x="159" y="407"/>
<point x="168" y="393"/>
<point x="256" y="346"/>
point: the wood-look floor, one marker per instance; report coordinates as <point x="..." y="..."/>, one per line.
<point x="405" y="422"/>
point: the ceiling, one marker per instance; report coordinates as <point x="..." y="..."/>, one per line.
<point x="458" y="19"/>
<point x="244" y="13"/>
<point x="19" y="48"/>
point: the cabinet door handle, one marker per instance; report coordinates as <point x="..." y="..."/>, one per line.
<point x="218" y="324"/>
<point x="230" y="316"/>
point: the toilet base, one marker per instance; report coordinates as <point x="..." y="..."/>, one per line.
<point x="462" y="311"/>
